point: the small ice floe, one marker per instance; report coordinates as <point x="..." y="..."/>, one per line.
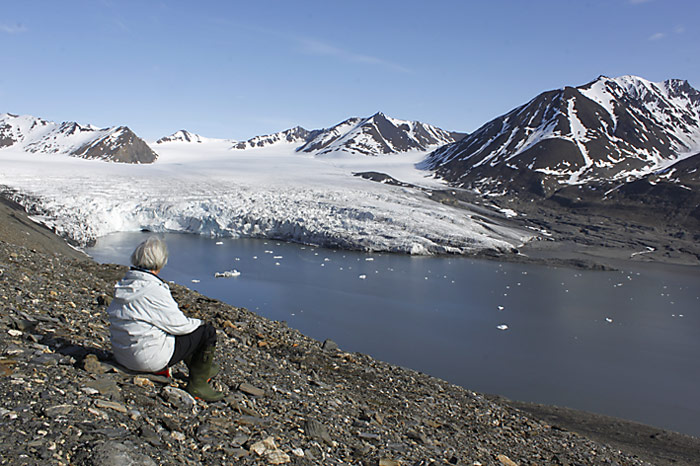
<point x="509" y="213"/>
<point x="277" y="263"/>
<point x="326" y="259"/>
<point x="278" y="257"/>
<point x="649" y="249"/>
<point x="255" y="257"/>
<point x="237" y="259"/>
<point x="500" y="308"/>
<point x="227" y="274"/>
<point x="608" y="320"/>
<point x="269" y="252"/>
<point x="502" y="327"/>
<point x="194" y="280"/>
<point x="362" y="277"/>
<point x="369" y="259"/>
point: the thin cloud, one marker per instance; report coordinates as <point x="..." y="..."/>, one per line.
<point x="657" y="36"/>
<point x="679" y="30"/>
<point x="314" y="47"/>
<point x="122" y="25"/>
<point x="12" y="29"/>
<point x="638" y="2"/>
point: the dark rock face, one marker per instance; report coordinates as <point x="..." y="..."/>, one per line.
<point x="609" y="129"/>
<point x="672" y="194"/>
<point x="122" y="145"/>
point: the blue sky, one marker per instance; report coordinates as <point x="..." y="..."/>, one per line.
<point x="232" y="69"/>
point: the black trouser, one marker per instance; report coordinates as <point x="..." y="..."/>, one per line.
<point x="187" y="345"/>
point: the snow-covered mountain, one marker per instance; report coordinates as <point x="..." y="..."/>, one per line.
<point x="182" y="136"/>
<point x="115" y="144"/>
<point x="375" y="135"/>
<point x="296" y="135"/>
<point x="611" y="129"/>
<point x="378" y="134"/>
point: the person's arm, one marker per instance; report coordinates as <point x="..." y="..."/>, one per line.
<point x="166" y="315"/>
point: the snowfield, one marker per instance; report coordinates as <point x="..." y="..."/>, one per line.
<point x="270" y="192"/>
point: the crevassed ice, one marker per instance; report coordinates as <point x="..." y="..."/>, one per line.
<point x="285" y="197"/>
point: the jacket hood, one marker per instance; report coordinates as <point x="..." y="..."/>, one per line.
<point x="135" y="283"/>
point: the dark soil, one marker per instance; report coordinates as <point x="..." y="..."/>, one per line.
<point x="591" y="236"/>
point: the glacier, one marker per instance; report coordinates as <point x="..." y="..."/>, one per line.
<point x="271" y="192"/>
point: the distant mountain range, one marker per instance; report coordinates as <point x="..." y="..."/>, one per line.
<point x="609" y="130"/>
<point x="115" y="144"/>
<point x="375" y="135"/>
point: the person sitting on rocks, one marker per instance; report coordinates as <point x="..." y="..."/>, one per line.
<point x="150" y="333"/>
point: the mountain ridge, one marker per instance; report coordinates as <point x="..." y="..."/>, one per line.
<point x="114" y="144"/>
<point x="374" y="135"/>
<point x="614" y="129"/>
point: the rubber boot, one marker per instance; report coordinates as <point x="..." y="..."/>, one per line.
<point x="200" y="367"/>
<point x="213" y="370"/>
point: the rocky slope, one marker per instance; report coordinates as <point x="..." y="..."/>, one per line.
<point x="290" y="399"/>
<point x="115" y="144"/>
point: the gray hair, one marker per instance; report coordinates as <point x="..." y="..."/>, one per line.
<point x="152" y="254"/>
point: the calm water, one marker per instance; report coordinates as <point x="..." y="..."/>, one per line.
<point x="625" y="344"/>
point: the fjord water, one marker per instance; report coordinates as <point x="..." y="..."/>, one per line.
<point x="626" y="344"/>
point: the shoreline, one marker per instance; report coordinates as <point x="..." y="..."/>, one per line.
<point x="625" y="436"/>
<point x="570" y="240"/>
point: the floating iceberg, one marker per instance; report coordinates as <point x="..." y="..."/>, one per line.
<point x="227" y="274"/>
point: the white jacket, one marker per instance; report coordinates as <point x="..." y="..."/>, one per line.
<point x="144" y="319"/>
